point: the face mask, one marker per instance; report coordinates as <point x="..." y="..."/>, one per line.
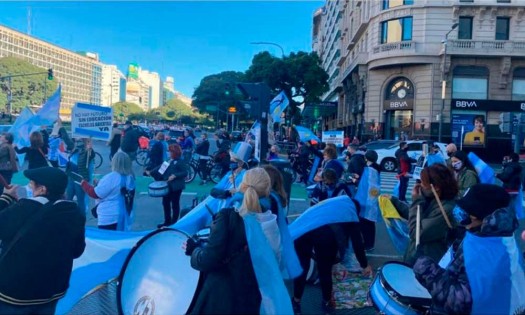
<point x="457" y="165"/>
<point x="461" y="216"/>
<point x="427" y="193"/>
<point x="405" y="149"/>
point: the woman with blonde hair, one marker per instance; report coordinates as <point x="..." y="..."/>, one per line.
<point x="114" y="194"/>
<point x="241" y="258"/>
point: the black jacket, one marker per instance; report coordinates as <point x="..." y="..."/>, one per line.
<point x="130" y="140"/>
<point x="156" y="155"/>
<point x="230" y="285"/>
<point x="38" y="267"/>
<point x="511" y="176"/>
<point x="35" y="158"/>
<point x="203" y="148"/>
<point x="178" y="168"/>
<point x="357" y="164"/>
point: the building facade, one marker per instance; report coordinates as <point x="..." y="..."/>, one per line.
<point x="113" y="85"/>
<point x="168" y="90"/>
<point x="431" y="69"/>
<point x="79" y="75"/>
<point x="152" y="79"/>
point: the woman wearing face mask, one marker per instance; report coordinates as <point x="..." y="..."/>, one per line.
<point x="433" y="231"/>
<point x="464" y="171"/>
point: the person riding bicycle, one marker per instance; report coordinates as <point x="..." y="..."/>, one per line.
<point x="202" y="150"/>
<point x="130" y="140"/>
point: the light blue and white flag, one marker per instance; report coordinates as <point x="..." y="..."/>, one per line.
<point x="339" y="209"/>
<point x="306" y="134"/>
<point x="49" y="113"/>
<point x="278" y="105"/>
<point x="518" y="206"/>
<point x="368" y="191"/>
<point x="495" y="273"/>
<point x="485" y="173"/>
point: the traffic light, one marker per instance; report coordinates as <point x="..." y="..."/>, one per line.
<point x="50" y="74"/>
<point x="227" y="89"/>
<point x="232" y="109"/>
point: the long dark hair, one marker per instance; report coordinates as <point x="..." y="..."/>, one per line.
<point x="442" y="178"/>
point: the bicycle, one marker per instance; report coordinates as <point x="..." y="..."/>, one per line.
<point x="98" y="160"/>
<point x="214" y="170"/>
<point x="142" y="157"/>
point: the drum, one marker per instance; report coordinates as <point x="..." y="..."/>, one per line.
<point x="395" y="290"/>
<point x="158" y="189"/>
<point x="157" y="277"/>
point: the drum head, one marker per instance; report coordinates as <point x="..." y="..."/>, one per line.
<point x="157" y="277"/>
<point x="402" y="280"/>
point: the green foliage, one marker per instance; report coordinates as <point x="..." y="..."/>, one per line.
<point x="26" y="90"/>
<point x="126" y="109"/>
<point x="299" y="75"/>
<point x="212" y="90"/>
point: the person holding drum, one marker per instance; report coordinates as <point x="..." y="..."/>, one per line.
<point x="435" y="194"/>
<point x="111" y="205"/>
<point x="173" y="171"/>
<point x="486" y="274"/>
<point x="241" y="259"/>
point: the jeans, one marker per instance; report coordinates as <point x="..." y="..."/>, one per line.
<point x="11" y="309"/>
<point x="403" y="186"/>
<point x="74" y="189"/>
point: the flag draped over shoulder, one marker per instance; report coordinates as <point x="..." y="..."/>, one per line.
<point x="485" y="172"/>
<point x="277" y="106"/>
<point x="495" y="273"/>
<point x="339" y="209"/>
<point x="367" y="193"/>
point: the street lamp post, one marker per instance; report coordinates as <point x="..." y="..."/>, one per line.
<point x="270" y="43"/>
<point x="444" y="81"/>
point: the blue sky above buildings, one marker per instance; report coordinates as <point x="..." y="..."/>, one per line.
<point x="186" y="40"/>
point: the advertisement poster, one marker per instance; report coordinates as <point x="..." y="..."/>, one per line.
<point x="91" y="121"/>
<point x="335" y="137"/>
<point x="468" y="128"/>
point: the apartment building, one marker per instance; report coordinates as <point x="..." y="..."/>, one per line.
<point x="432" y="69"/>
<point x="113" y="85"/>
<point x="80" y="75"/>
<point x="152" y="79"/>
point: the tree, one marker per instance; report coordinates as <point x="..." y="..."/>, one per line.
<point x="299" y="75"/>
<point x="122" y="110"/>
<point x="25" y="90"/>
<point x="217" y="89"/>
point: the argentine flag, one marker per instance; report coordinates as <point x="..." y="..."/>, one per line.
<point x="278" y="105"/>
<point x="485" y="172"/>
<point x="334" y="210"/>
<point x="306" y="134"/>
<point x="495" y="273"/>
<point x="367" y="193"/>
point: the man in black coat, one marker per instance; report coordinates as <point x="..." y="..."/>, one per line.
<point x="40" y="237"/>
<point x="511" y="176"/>
<point x="130" y="140"/>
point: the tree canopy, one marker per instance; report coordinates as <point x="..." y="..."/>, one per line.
<point x="126" y="109"/>
<point x="26" y="90"/>
<point x="218" y="90"/>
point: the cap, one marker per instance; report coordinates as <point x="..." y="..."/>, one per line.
<point x="371" y="156"/>
<point x="54" y="179"/>
<point x="482" y="200"/>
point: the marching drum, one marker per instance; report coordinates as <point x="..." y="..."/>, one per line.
<point x="158" y="189"/>
<point x="395" y="290"/>
<point x="157" y="277"/>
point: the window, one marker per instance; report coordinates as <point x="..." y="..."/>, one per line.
<point x="465" y="27"/>
<point x="518" y="85"/>
<point x="387" y="4"/>
<point x="502" y="28"/>
<point x="396" y="30"/>
<point x="470" y="82"/>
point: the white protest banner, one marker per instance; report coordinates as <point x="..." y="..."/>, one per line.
<point x="335" y="137"/>
<point x="91" y="121"/>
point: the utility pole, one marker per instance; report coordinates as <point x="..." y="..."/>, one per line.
<point x="444" y="81"/>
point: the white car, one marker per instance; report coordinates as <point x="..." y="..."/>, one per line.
<point x="387" y="157"/>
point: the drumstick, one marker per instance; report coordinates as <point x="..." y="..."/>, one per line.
<point x="441" y="206"/>
<point x="4" y="183"/>
<point x="418" y="224"/>
<point x="209" y="209"/>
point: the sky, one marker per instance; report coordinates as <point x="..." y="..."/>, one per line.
<point x="187" y="40"/>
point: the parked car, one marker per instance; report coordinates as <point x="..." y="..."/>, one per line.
<point x="387" y="158"/>
<point x="172" y="135"/>
<point x="380" y="144"/>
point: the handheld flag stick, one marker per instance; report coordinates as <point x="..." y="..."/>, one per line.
<point x="441" y="206"/>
